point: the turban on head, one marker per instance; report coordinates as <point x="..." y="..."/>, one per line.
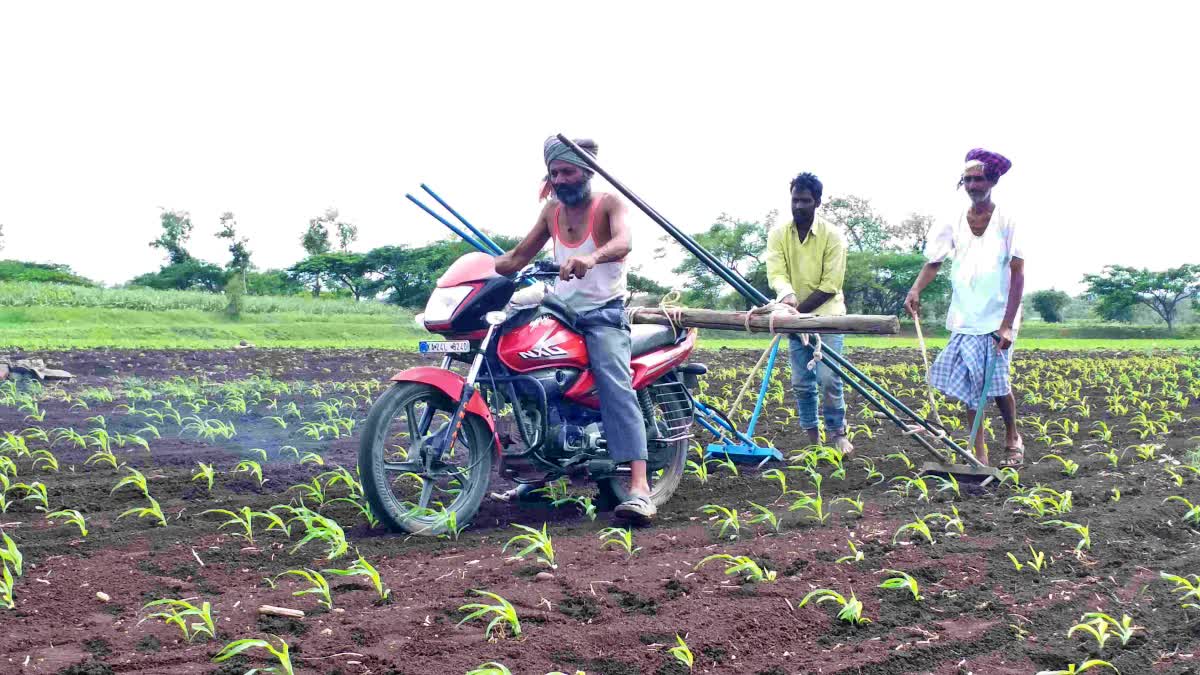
<point x="555" y="149"/>
<point x="994" y="164"/>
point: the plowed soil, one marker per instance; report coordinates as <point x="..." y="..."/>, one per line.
<point x="599" y="611"/>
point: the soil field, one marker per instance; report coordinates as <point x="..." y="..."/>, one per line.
<point x="78" y="603"/>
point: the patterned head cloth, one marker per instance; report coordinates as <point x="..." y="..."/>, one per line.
<point x="556" y="149"/>
<point x="994" y="164"/>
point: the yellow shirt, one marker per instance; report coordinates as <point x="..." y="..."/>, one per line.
<point x="816" y="264"/>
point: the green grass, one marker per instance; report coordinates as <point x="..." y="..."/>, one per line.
<point x="1065" y="344"/>
<point x="87" y="327"/>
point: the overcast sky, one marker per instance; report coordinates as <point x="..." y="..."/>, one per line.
<point x="276" y="111"/>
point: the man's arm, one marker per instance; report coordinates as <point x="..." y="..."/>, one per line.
<point x="912" y="302"/>
<point x="1016" y="288"/>
<point x="833" y="275"/>
<point x="777" y="273"/>
<point x="525" y="251"/>
<point x="619" y="243"/>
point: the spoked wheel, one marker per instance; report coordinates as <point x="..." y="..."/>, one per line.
<point x="665" y="463"/>
<point x="411" y="488"/>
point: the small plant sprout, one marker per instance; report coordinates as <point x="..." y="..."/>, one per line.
<point x="1097" y="629"/>
<point x="682" y="653"/>
<point x="1193" y="510"/>
<point x="280" y="653"/>
<point x="1010" y="475"/>
<point x="1073" y="669"/>
<point x="856" y="504"/>
<point x="1116" y="495"/>
<point x="34" y="492"/>
<point x="919" y="526"/>
<point x="251" y="467"/>
<point x="908" y="464"/>
<point x="136" y="479"/>
<point x="535" y="540"/>
<point x="953" y="522"/>
<point x="851" y="611"/>
<point x="762" y="514"/>
<point x="619" y="537"/>
<point x="180" y="613"/>
<point x="1189" y="586"/>
<point x="948" y="484"/>
<point x="319" y="585"/>
<point x="311" y="458"/>
<point x="725" y="519"/>
<point x="244" y="519"/>
<point x="505" y="614"/>
<point x="363" y="568"/>
<point x="907" y="483"/>
<point x="321" y="528"/>
<point x="873" y="475"/>
<point x="739" y="565"/>
<point x="1069" y="467"/>
<point x="1111" y="456"/>
<point x="206" y="473"/>
<point x="1123" y="629"/>
<point x="6" y="587"/>
<point x="11" y="555"/>
<point x="779" y="477"/>
<point x="152" y="511"/>
<point x="1085" y="536"/>
<point x="855" y="554"/>
<point x="71" y="516"/>
<point x="902" y="581"/>
<point x="44" y="460"/>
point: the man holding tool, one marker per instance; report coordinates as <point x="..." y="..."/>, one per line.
<point x="988" y="278"/>
<point x="806" y="264"/>
<point x="591" y="242"/>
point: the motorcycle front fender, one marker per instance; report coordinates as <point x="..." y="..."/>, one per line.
<point x="451" y="384"/>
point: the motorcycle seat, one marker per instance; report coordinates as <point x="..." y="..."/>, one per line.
<point x="648" y="337"/>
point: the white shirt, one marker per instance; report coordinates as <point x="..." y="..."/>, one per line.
<point x="980" y="275"/>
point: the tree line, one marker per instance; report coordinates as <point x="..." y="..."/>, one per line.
<point x="882" y="262"/>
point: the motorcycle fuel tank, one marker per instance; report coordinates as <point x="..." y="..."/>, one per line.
<point x="542" y="343"/>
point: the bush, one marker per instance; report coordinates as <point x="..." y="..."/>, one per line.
<point x="188" y="275"/>
<point x="16" y="270"/>
<point x="1050" y="304"/>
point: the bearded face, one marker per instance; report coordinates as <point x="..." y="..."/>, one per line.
<point x="574" y="193"/>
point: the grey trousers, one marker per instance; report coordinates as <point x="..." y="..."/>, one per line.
<point x="606" y="332"/>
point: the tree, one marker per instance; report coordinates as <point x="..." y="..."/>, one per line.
<point x="272" y="282"/>
<point x="316" y="241"/>
<point x="16" y="270"/>
<point x="346" y="234"/>
<point x="348" y="269"/>
<point x="640" y="284"/>
<point x="189" y="275"/>
<point x="739" y="245"/>
<point x="914" y="231"/>
<point x="238" y="267"/>
<point x="1050" y="305"/>
<point x="876" y="283"/>
<point x="865" y="230"/>
<point x="177" y="229"/>
<point x="1118" y="288"/>
<point x="408" y="275"/>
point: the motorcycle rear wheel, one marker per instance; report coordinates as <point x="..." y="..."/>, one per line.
<point x="665" y="467"/>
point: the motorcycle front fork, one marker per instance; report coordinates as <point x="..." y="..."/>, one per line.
<point x="468" y="390"/>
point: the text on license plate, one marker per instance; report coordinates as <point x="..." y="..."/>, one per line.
<point x="445" y="347"/>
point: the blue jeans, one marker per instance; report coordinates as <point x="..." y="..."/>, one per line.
<point x="606" y="331"/>
<point x="805" y="383"/>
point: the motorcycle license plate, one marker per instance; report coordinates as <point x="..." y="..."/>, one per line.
<point x="444" y="347"/>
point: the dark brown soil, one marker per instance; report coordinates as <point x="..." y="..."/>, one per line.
<point x="601" y="613"/>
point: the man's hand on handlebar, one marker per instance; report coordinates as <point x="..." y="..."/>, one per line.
<point x="576" y="266"/>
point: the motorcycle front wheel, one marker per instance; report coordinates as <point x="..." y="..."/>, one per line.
<point x="409" y="485"/>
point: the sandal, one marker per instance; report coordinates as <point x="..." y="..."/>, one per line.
<point x="1014" y="456"/>
<point x="638" y="509"/>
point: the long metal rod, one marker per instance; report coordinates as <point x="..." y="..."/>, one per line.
<point x="466" y="237"/>
<point x="729" y="276"/>
<point x="744" y="287"/>
<point x="483" y="238"/>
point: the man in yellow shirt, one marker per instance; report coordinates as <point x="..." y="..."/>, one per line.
<point x="806" y="262"/>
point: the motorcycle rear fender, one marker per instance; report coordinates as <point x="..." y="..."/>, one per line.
<point x="451" y="384"/>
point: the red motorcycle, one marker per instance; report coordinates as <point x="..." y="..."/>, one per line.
<point x="526" y="404"/>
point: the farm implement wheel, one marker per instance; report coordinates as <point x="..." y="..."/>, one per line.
<point x="411" y="488"/>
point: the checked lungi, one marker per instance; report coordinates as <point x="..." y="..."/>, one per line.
<point x="958" y="371"/>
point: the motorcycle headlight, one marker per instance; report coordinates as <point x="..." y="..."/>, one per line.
<point x="443" y="302"/>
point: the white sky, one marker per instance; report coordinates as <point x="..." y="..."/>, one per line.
<point x="275" y="111"/>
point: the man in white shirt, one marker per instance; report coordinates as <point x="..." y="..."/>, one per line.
<point x="988" y="278"/>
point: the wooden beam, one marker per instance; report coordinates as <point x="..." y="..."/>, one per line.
<point x="687" y="317"/>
